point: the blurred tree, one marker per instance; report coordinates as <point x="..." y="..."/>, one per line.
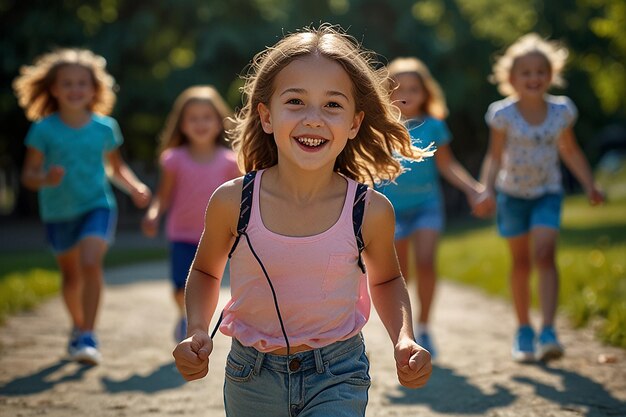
<point x="156" y="49"/>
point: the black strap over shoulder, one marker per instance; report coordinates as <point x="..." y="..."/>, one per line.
<point x="358" y="209"/>
<point x="245" y="208"/>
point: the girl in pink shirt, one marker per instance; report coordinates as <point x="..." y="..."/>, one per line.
<point x="317" y="121"/>
<point x="195" y="159"/>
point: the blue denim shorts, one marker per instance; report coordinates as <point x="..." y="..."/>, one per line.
<point x="64" y="235"/>
<point x="517" y="216"/>
<point x="181" y="257"/>
<point x="330" y="381"/>
<point x="426" y="216"/>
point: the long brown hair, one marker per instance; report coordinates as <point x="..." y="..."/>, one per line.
<point x="369" y="156"/>
<point x="435" y="103"/>
<point x="32" y="86"/>
<point x="172" y="136"/>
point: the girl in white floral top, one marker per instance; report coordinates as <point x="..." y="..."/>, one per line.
<point x="529" y="131"/>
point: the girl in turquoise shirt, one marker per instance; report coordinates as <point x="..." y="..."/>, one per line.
<point x="416" y="194"/>
<point x="68" y="94"/>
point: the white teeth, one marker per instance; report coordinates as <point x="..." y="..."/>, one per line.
<point x="311" y="141"/>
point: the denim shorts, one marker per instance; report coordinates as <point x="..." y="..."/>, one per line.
<point x="330" y="381"/>
<point x="426" y="216"/>
<point x="64" y="235"/>
<point x="517" y="216"/>
<point x="181" y="257"/>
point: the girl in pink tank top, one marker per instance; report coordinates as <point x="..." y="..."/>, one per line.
<point x="301" y="232"/>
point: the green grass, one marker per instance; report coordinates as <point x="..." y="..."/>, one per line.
<point x="28" y="277"/>
<point x="591" y="258"/>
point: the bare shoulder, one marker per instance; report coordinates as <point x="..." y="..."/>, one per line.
<point x="379" y="215"/>
<point x="228" y="193"/>
<point x="223" y="207"/>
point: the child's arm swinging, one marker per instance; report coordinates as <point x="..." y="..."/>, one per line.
<point x="203" y="283"/>
<point x="576" y="162"/>
<point x="33" y="175"/>
<point x="389" y="293"/>
<point x="160" y="204"/>
<point x="125" y="178"/>
<point x="493" y="158"/>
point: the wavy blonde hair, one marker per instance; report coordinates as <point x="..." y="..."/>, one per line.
<point x="368" y="157"/>
<point x="435" y="103"/>
<point x="554" y="52"/>
<point x="171" y="136"/>
<point x="32" y="86"/>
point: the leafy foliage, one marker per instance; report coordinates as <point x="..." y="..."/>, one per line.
<point x="156" y="49"/>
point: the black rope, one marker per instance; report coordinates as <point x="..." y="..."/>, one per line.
<point x="280" y="318"/>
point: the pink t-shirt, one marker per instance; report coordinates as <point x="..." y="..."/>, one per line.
<point x="322" y="293"/>
<point x="194" y="184"/>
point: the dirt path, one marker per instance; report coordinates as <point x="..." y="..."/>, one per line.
<point x="473" y="376"/>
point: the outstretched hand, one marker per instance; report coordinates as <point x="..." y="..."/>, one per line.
<point x="595" y="196"/>
<point x="413" y="364"/>
<point x="192" y="356"/>
<point x="141" y="196"/>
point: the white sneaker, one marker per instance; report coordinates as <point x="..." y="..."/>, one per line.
<point x="86" y="351"/>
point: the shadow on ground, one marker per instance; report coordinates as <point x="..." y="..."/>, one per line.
<point x="45" y="379"/>
<point x="450" y="393"/>
<point x="576" y="393"/>
<point x="163" y="378"/>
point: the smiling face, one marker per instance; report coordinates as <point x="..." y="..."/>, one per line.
<point x="200" y="123"/>
<point x="73" y="88"/>
<point x="531" y="75"/>
<point x="312" y="113"/>
<point x="410" y="94"/>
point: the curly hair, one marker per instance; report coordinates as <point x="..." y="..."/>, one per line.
<point x="369" y="157"/>
<point x="171" y="136"/>
<point x="435" y="103"/>
<point x="554" y="52"/>
<point x="32" y="86"/>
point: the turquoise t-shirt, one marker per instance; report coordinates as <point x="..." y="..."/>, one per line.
<point x="80" y="152"/>
<point x="419" y="185"/>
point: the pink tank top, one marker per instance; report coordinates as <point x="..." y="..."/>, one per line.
<point x="321" y="291"/>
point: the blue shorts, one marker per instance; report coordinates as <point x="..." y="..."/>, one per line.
<point x="427" y="216"/>
<point x="181" y="257"/>
<point x="64" y="235"/>
<point x="330" y="381"/>
<point x="517" y="216"/>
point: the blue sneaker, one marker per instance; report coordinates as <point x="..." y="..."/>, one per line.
<point x="424" y="340"/>
<point x="72" y="344"/>
<point x="87" y="349"/>
<point x="548" y="346"/>
<point x="180" y="331"/>
<point x="524" y="345"/>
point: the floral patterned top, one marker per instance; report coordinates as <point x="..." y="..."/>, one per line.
<point x="530" y="161"/>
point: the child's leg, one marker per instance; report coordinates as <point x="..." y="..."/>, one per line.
<point x="72" y="285"/>
<point x="520" y="277"/>
<point x="424" y="248"/>
<point x="179" y="298"/>
<point x="544" y="249"/>
<point x="92" y="251"/>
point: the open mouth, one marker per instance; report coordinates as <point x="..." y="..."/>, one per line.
<point x="311" y="142"/>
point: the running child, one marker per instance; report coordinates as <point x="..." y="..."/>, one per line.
<point x="416" y="194"/>
<point x="195" y="159"/>
<point x="68" y="94"/>
<point x="317" y="121"/>
<point x="529" y="130"/>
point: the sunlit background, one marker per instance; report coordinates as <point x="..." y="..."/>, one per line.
<point x="155" y="49"/>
